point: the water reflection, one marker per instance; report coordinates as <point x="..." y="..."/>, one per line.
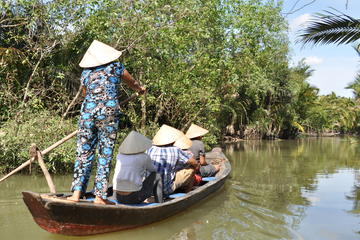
<point x="280" y="183"/>
<point x="354" y="194"/>
<point x="300" y="189"/>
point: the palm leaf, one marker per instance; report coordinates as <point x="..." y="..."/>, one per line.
<point x="357" y="49"/>
<point x="298" y="126"/>
<point x="331" y="28"/>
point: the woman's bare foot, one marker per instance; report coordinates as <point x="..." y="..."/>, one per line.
<point x="75" y="197"/>
<point x="150" y="200"/>
<point x="99" y="200"/>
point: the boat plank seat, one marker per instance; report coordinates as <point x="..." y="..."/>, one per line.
<point x="208" y="179"/>
<point x="176" y="195"/>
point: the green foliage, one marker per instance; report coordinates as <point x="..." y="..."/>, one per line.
<point x="220" y="64"/>
<point x="337" y="114"/>
<point x="355" y="86"/>
<point x="193" y="59"/>
<point x="42" y="128"/>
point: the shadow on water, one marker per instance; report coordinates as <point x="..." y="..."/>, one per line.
<point x="299" y="189"/>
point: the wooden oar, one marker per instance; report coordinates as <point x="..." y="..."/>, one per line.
<point x="28" y="162"/>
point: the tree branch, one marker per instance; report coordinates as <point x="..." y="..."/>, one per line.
<point x="30" y="78"/>
<point x="13" y="25"/>
<point x="43" y="54"/>
<point x="131" y="45"/>
<point x="293" y="9"/>
<point x="73" y="101"/>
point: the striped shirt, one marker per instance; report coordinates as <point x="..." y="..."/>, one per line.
<point x="168" y="160"/>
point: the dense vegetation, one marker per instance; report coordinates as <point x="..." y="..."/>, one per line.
<point x="221" y="64"/>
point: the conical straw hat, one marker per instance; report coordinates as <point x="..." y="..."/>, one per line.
<point x="196" y="131"/>
<point x="134" y="143"/>
<point x="183" y="142"/>
<point x="166" y="135"/>
<point x="99" y="54"/>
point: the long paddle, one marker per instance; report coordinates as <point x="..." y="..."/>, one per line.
<point x="25" y="164"/>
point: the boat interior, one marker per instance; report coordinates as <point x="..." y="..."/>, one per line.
<point x="89" y="196"/>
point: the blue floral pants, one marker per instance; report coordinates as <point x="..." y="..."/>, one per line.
<point x="98" y="126"/>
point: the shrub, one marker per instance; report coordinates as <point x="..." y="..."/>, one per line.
<point x="42" y="128"/>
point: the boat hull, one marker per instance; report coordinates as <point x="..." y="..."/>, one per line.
<point x="86" y="218"/>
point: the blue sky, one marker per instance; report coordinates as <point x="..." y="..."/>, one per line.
<point x="335" y="65"/>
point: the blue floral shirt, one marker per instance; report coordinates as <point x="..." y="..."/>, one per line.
<point x="102" y="82"/>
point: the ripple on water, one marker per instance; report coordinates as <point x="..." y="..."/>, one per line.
<point x="254" y="217"/>
<point x="9" y="202"/>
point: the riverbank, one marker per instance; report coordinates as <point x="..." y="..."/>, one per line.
<point x="234" y="139"/>
<point x="46" y="127"/>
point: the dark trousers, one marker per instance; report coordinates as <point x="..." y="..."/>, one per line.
<point x="152" y="185"/>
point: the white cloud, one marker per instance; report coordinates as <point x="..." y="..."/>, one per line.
<point x="334" y="74"/>
<point x="313" y="60"/>
<point x="296" y="23"/>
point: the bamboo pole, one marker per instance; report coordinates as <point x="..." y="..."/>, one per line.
<point x="42" y="153"/>
<point x="58" y="143"/>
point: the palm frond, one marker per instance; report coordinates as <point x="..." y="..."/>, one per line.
<point x="331" y="28"/>
<point x="357" y="48"/>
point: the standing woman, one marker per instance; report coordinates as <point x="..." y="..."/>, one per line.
<point x="99" y="117"/>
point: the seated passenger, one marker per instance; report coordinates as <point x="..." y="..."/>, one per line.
<point x="197" y="148"/>
<point x="172" y="162"/>
<point x="184" y="143"/>
<point x="131" y="166"/>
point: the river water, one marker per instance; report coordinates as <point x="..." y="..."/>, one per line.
<point x="294" y="189"/>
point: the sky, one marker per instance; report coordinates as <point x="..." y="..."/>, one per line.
<point x="335" y="66"/>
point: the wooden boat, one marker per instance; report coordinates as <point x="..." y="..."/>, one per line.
<point x="57" y="215"/>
